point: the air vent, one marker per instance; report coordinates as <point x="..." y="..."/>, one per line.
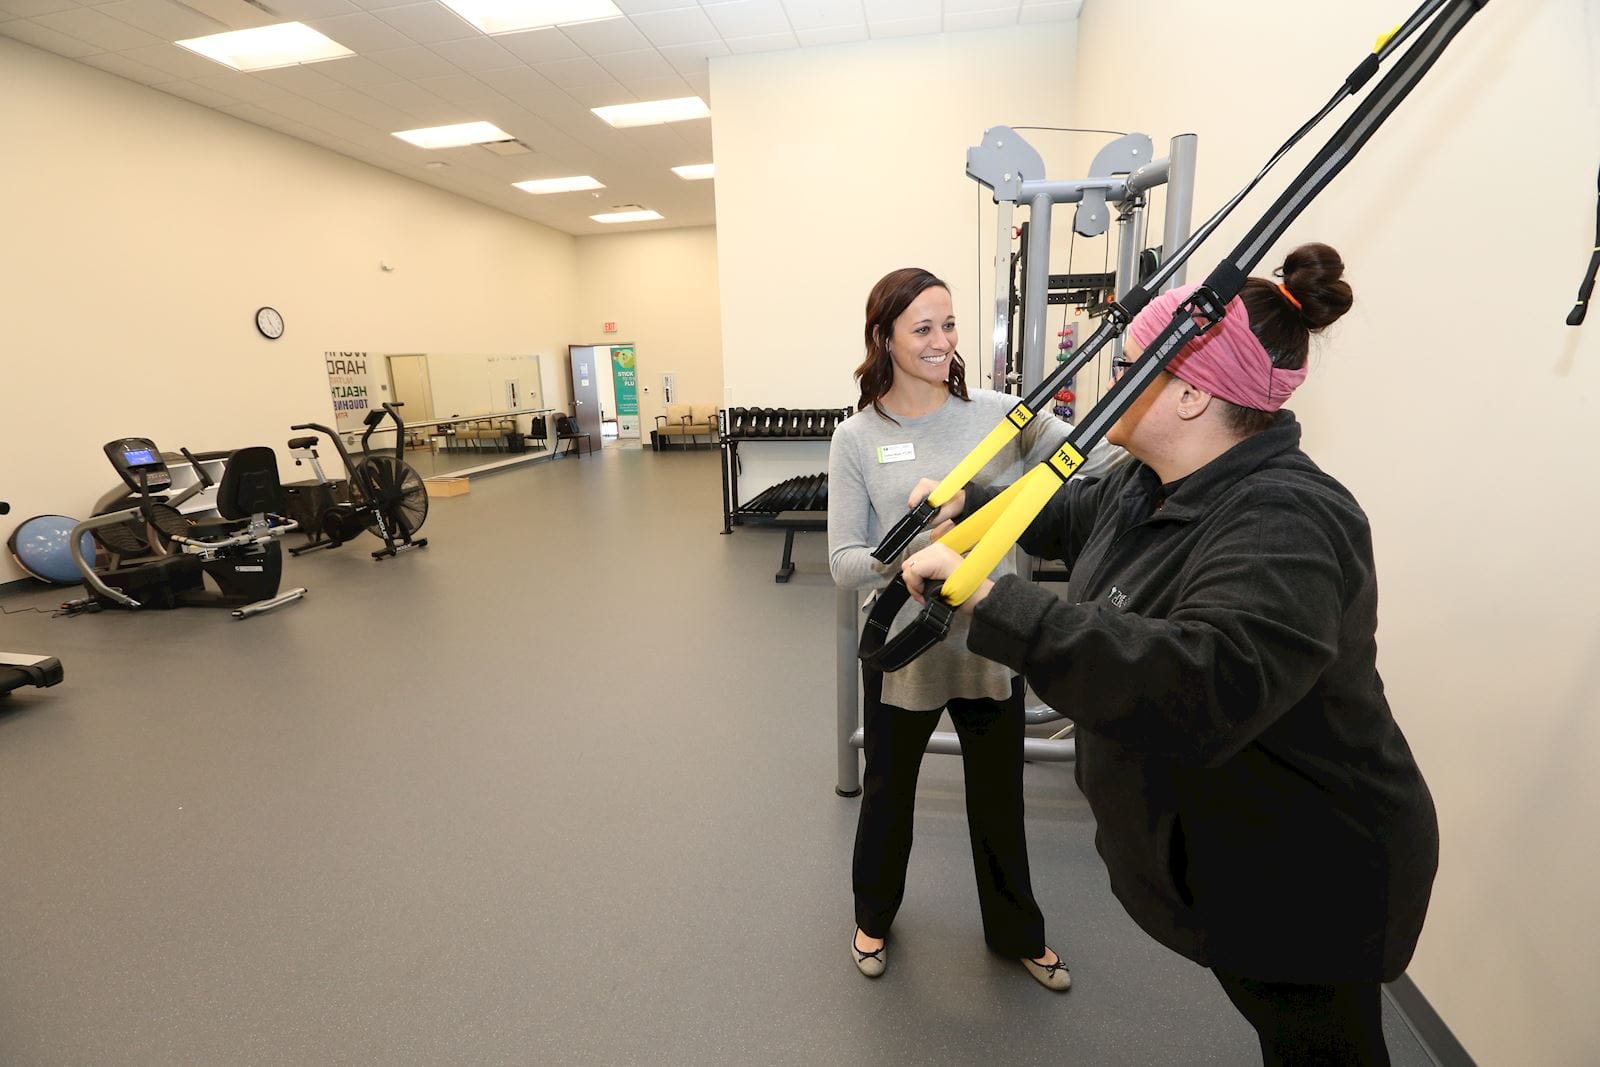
<point x="508" y="148"/>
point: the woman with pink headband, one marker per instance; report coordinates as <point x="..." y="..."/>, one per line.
<point x="1258" y="808"/>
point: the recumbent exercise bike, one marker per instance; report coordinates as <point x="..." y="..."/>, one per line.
<point x="241" y="553"/>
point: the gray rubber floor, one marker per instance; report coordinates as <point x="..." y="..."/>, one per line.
<point x="557" y="789"/>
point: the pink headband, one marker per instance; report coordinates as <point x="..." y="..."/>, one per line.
<point x="1226" y="361"/>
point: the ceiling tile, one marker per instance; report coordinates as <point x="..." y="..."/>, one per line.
<point x="683" y="26"/>
<point x="373" y="5"/>
<point x="363" y="108"/>
<point x="832" y="34"/>
<point x="696" y="137"/>
<point x="605" y="37"/>
<point x="600" y="95"/>
<point x="897" y="10"/>
<point x="636" y="66"/>
<point x="747" y="18"/>
<point x="361" y="33"/>
<point x="691" y="58"/>
<point x="103" y="31"/>
<point x="417" y="102"/>
<point x="168" y="21"/>
<point x="428" y="23"/>
<point x="474" y="54"/>
<point x="525" y="87"/>
<point x="179" y="62"/>
<point x="639" y="7"/>
<point x="240" y="86"/>
<point x="770" y="42"/>
<point x="199" y="94"/>
<point x="303" y="80"/>
<point x="1075" y="5"/>
<point x="819" y="14"/>
<point x="955" y="7"/>
<point x="1049" y="12"/>
<point x="461" y="89"/>
<point x="314" y="114"/>
<point x="29" y="32"/>
<point x="961" y="21"/>
<point x="701" y="84"/>
<point x="304" y="10"/>
<point x="414" y="62"/>
<point x="124" y="67"/>
<point x="671" y="87"/>
<point x="23" y="9"/>
<point x="568" y="73"/>
<point x="358" y="72"/>
<point x="905" y="27"/>
<point x="539" y="46"/>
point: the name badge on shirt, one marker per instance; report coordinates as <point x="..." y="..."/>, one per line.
<point x="897" y="453"/>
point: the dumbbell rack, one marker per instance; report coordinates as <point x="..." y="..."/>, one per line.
<point x="733" y="432"/>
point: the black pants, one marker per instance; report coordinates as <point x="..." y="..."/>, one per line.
<point x="991" y="754"/>
<point x="1336" y="1025"/>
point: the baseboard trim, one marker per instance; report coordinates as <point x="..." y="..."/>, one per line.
<point x="1426" y="1024"/>
<point x="21" y="585"/>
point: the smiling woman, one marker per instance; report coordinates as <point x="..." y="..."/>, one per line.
<point x="916" y="418"/>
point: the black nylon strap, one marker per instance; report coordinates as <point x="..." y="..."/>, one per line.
<point x="1586" y="287"/>
<point x="926" y="630"/>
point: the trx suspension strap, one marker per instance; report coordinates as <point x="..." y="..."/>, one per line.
<point x="1585" y="287"/>
<point x="990" y="533"/>
<point x="1121" y="312"/>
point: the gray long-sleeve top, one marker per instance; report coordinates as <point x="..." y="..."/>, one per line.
<point x="873" y="464"/>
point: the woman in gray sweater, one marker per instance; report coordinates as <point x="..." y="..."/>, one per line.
<point x="916" y="419"/>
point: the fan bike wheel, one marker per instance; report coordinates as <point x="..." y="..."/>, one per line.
<point x="395" y="489"/>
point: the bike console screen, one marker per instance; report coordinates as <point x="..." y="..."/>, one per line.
<point x="136" y="456"/>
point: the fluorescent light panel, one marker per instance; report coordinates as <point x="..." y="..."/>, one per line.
<point x="696" y="171"/>
<point x="267" y="47"/>
<point x="462" y="133"/>
<point x="559" y="185"/>
<point x="654" y="112"/>
<point x="514" y="16"/>
<point x="627" y="216"/>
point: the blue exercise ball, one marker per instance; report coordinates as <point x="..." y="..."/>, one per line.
<point x="41" y="546"/>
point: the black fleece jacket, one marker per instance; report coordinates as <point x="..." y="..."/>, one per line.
<point x="1258" y="808"/>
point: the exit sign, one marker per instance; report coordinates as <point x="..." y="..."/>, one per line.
<point x="610" y="327"/>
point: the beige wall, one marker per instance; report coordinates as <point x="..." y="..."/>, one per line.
<point x="660" y="288"/>
<point x="1459" y="408"/>
<point x="836" y="165"/>
<point x="141" y="232"/>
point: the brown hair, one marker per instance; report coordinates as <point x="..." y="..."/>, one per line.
<point x="887" y="302"/>
<point x="1314" y="275"/>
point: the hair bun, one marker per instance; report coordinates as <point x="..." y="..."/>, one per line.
<point x="1314" y="273"/>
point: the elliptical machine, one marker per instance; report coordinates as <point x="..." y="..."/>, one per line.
<point x="387" y="496"/>
<point x="241" y="555"/>
<point x="18" y="669"/>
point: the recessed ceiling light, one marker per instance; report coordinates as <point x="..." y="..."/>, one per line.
<point x="462" y="133"/>
<point x="695" y="171"/>
<point x="266" y="47"/>
<point x="654" y="112"/>
<point x="559" y="185"/>
<point x="627" y="216"/>
<point x="513" y="16"/>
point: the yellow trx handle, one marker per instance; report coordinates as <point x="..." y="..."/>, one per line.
<point x="1383" y="39"/>
<point x="1032" y="493"/>
<point x="990" y="532"/>
<point x="970" y="532"/>
<point x="979" y="457"/>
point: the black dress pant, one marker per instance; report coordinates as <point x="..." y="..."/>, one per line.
<point x="1334" y="1025"/>
<point x="991" y="734"/>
